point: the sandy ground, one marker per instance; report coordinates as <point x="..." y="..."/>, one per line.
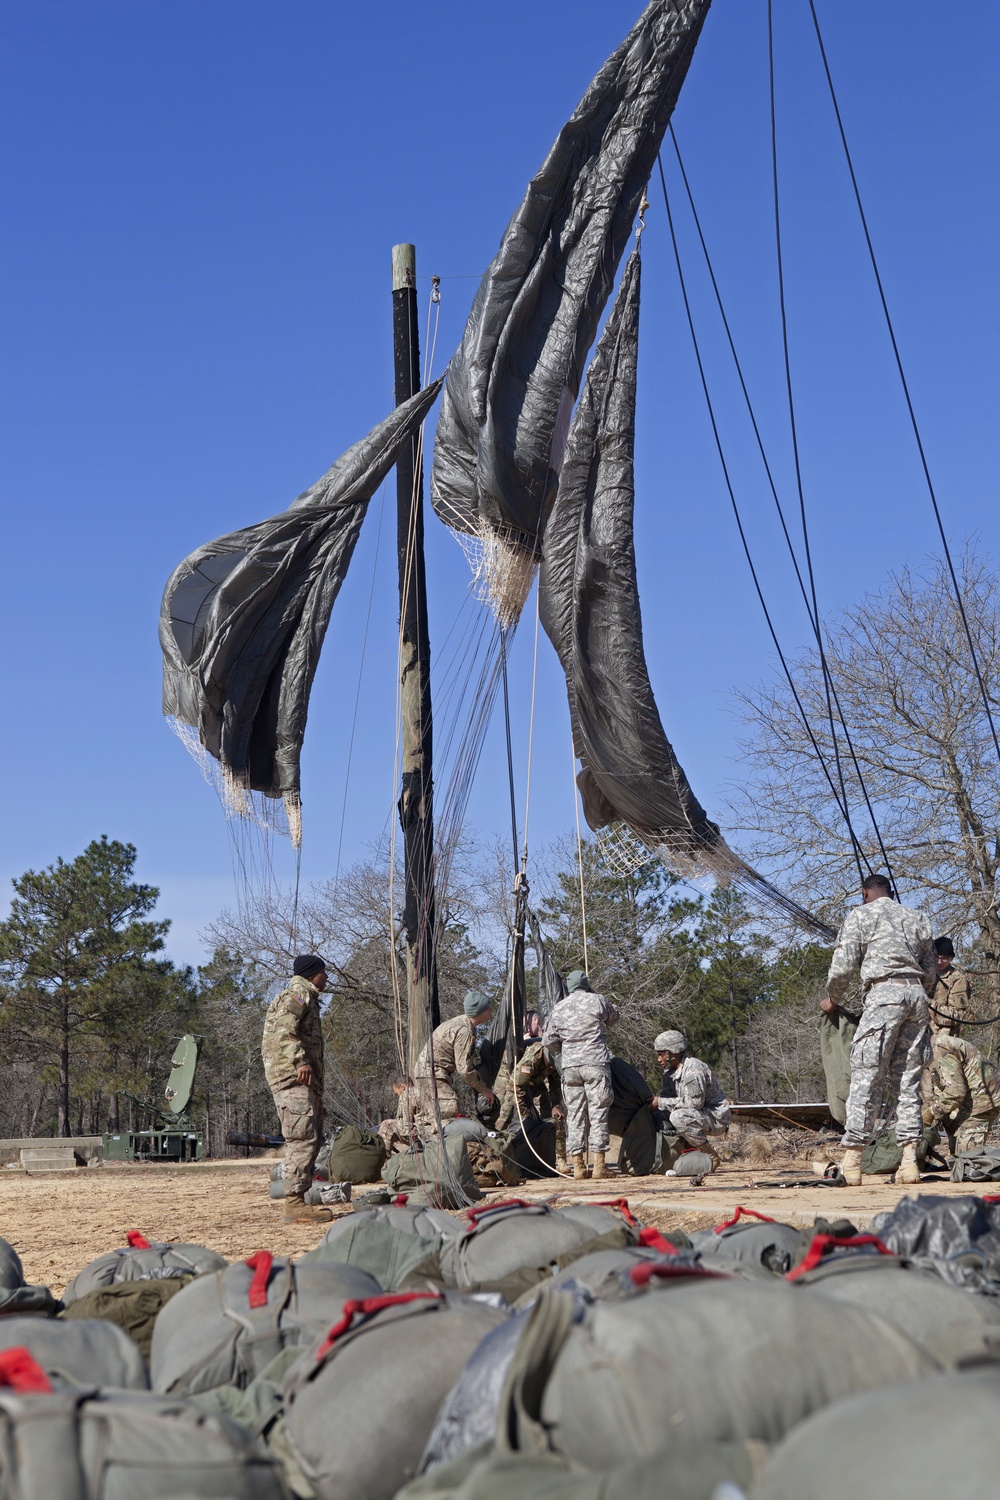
<point x="58" y="1223"/>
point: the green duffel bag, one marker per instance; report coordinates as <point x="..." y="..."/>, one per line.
<point x="711" y="1360"/>
<point x="950" y="1324"/>
<point x="133" y="1306"/>
<point x="511" y="1246"/>
<point x="86" y="1353"/>
<point x="884" y="1155"/>
<point x="752" y="1245"/>
<point x="683" y="1472"/>
<point x="439" y="1176"/>
<point x="15" y="1295"/>
<point x="90" y="1444"/>
<point x="355" y="1156"/>
<point x="977" y="1166"/>
<point x="937" y="1438"/>
<point x="141" y="1260"/>
<point x="361" y="1402"/>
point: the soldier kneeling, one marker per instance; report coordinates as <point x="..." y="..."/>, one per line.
<point x="692" y="1099"/>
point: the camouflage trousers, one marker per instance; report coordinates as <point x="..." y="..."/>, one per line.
<point x="447" y="1101"/>
<point x="394" y="1133"/>
<point x="696" y="1125"/>
<point x="587" y="1098"/>
<point x="300" y="1110"/>
<point x="891" y="1046"/>
<point x="968" y="1132"/>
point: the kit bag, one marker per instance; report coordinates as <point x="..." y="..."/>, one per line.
<point x="977" y="1166"/>
<point x="355" y="1155"/>
<point x="949" y="1324"/>
<point x="439" y="1176"/>
<point x="361" y="1402"/>
<point x="223" y="1329"/>
<point x="85" y="1353"/>
<point x="89" y="1444"/>
<point x="884" y="1154"/>
<point x="510" y="1247"/>
<point x="133" y="1305"/>
<point x="938" y="1437"/>
<point x="140" y="1260"/>
<point x="15" y="1295"/>
<point x="751" y="1244"/>
<point x="712" y="1360"/>
<point x="531" y="1149"/>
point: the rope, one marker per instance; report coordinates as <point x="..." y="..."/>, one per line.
<point x="905" y="384"/>
<point x="510" y="751"/>
<point x="579" y="857"/>
<point x="531" y="732"/>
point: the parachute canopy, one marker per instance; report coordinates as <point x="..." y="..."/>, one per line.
<point x="243" y="620"/>
<point x="511" y="387"/>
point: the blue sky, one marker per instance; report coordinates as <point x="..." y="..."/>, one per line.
<point x="200" y="201"/>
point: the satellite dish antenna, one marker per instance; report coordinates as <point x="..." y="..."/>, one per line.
<point x="181" y="1080"/>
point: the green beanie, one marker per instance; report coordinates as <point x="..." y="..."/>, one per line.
<point x="577" y="980"/>
<point x="475" y="1003"/>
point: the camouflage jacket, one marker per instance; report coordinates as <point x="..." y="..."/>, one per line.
<point x="455" y="1053"/>
<point x="959" y="1077"/>
<point x="951" y="1001"/>
<point x="695" y="1087"/>
<point x="883" y="940"/>
<point x="293" y="1035"/>
<point x="534" y="1086"/>
<point x="577" y="1026"/>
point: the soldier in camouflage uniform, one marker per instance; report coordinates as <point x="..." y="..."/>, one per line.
<point x="292" y="1049"/>
<point x="533" y="1091"/>
<point x="401" y="1129"/>
<point x="692" y="1099"/>
<point x="961" y="1091"/>
<point x="951" y="1000"/>
<point x="891" y="946"/>
<point x="450" y="1052"/>
<point x="576" y="1026"/>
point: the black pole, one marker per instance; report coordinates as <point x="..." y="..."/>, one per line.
<point x="416" y="811"/>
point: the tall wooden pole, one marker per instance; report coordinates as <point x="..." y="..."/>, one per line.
<point x="416" y="811"/>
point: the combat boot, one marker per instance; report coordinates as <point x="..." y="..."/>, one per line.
<point x="579" y="1166"/>
<point x="562" y="1165"/>
<point x="908" y="1170"/>
<point x="598" y="1169"/>
<point x="710" y="1150"/>
<point x="298" y="1211"/>
<point x="850" y="1166"/>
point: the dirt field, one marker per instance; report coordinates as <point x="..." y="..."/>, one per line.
<point x="60" y="1222"/>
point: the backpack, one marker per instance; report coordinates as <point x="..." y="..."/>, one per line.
<point x="361" y="1402"/>
<point x="392" y="1254"/>
<point x="751" y="1244"/>
<point x="223" y="1329"/>
<point x="77" y="1354"/>
<point x="884" y="1155"/>
<point x="725" y="1359"/>
<point x="90" y="1444"/>
<point x="15" y="1296"/>
<point x="355" y="1155"/>
<point x="511" y="1246"/>
<point x="140" y="1260"/>
<point x="440" y="1175"/>
<point x="133" y="1305"/>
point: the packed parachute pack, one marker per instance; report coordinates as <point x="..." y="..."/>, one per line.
<point x="518" y="1349"/>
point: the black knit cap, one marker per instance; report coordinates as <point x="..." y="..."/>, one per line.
<point x="308" y="964"/>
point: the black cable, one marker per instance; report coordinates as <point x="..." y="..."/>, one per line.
<point x="814" y="623"/>
<point x="904" y="383"/>
<point x="841" y="803"/>
<point x="827" y="676"/>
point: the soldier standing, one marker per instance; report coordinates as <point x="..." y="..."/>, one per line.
<point x="576" y="1025"/>
<point x="533" y="1092"/>
<point x="692" y="1098"/>
<point x="450" y="1052"/>
<point x="292" y="1049"/>
<point x="951" y="1000"/>
<point x="891" y="946"/>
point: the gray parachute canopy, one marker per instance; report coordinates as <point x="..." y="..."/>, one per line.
<point x="589" y="606"/>
<point x="243" y="619"/>
<point x="511" y="387"/>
